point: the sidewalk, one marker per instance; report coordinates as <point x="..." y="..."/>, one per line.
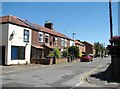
<point x="102" y="78"/>
<point x="20" y="68"/>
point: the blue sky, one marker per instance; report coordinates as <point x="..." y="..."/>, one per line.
<point x="90" y="20"/>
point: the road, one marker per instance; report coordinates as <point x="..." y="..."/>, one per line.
<point x="72" y="74"/>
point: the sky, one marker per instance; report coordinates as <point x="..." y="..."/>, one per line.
<point x="89" y="20"/>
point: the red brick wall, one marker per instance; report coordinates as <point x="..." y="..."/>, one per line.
<point x="88" y="48"/>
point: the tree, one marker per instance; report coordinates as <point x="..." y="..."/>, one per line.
<point x="73" y="51"/>
<point x="99" y="48"/>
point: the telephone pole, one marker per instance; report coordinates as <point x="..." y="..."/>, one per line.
<point x="110" y="16"/>
<point x="111" y="34"/>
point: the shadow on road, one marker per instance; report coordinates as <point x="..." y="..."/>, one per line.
<point x="105" y="75"/>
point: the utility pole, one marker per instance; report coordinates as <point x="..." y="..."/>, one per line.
<point x="111" y="33"/>
<point x="110" y="16"/>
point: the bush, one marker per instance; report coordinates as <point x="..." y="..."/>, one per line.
<point x="57" y="52"/>
<point x="64" y="53"/>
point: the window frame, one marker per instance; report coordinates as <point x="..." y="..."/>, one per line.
<point x="47" y="38"/>
<point x="62" y="42"/>
<point x="26" y="35"/>
<point x="56" y="41"/>
<point x="18" y="56"/>
<point x="40" y="37"/>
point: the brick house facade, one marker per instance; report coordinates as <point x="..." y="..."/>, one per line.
<point x="89" y="48"/>
<point x="42" y="39"/>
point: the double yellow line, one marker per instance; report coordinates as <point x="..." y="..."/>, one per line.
<point x="83" y="78"/>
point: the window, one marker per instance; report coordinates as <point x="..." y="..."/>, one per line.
<point x="56" y="39"/>
<point x="17" y="52"/>
<point x="46" y="38"/>
<point x="36" y="53"/>
<point x="62" y="42"/>
<point x="40" y="37"/>
<point x="26" y="35"/>
<point x="65" y="42"/>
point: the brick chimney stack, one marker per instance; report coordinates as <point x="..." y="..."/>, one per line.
<point x="48" y="24"/>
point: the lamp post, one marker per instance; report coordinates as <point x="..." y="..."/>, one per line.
<point x="73" y="35"/>
<point x="73" y="44"/>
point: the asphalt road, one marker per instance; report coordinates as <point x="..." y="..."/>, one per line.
<point x="60" y="75"/>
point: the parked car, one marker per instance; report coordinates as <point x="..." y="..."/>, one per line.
<point x="91" y="55"/>
<point x="86" y="58"/>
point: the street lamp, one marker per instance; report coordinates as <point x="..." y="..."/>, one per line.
<point x="73" y="35"/>
<point x="73" y="44"/>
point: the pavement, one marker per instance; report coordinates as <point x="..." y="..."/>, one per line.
<point x="101" y="77"/>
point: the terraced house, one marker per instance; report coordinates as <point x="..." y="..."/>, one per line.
<point x="23" y="40"/>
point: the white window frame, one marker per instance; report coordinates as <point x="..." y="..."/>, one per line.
<point x="48" y="38"/>
<point x="56" y="39"/>
<point x="26" y="35"/>
<point x="40" y="37"/>
<point x="62" y="42"/>
<point x="65" y="43"/>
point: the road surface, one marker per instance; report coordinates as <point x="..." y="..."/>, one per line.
<point x="72" y="74"/>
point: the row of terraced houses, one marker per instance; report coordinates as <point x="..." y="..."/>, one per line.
<point x="23" y="41"/>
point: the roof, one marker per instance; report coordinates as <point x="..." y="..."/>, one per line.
<point x="77" y="42"/>
<point x="51" y="47"/>
<point x="88" y="43"/>
<point x="21" y="22"/>
<point x="38" y="47"/>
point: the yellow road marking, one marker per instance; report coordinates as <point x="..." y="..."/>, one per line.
<point x="86" y="74"/>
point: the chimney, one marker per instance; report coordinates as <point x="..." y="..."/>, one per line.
<point x="48" y="24"/>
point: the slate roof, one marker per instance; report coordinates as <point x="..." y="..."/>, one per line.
<point x="25" y="23"/>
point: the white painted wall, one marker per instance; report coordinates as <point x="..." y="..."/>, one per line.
<point x="18" y="40"/>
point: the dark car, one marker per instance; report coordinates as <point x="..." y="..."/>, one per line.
<point x="86" y="58"/>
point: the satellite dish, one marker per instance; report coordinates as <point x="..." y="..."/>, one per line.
<point x="12" y="35"/>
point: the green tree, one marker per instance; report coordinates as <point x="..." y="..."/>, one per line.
<point x="73" y="50"/>
<point x="99" y="48"/>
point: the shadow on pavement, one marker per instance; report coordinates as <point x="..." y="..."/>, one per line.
<point x="105" y="75"/>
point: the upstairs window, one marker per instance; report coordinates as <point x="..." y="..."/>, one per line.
<point x="26" y="35"/>
<point x="62" y="42"/>
<point x="46" y="38"/>
<point x="56" y="41"/>
<point x="40" y="37"/>
<point x="65" y="42"/>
